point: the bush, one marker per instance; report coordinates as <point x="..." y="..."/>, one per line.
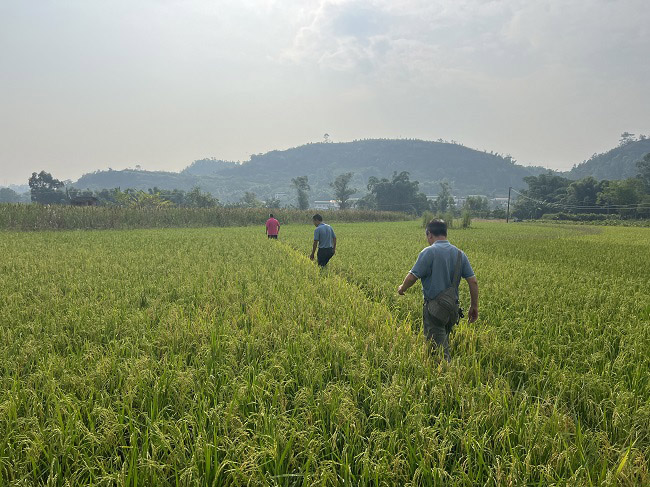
<point x="449" y="218"/>
<point x="467" y="219"/>
<point x="575" y="217"/>
<point x="427" y="216"/>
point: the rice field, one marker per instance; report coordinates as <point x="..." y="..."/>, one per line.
<point x="213" y="356"/>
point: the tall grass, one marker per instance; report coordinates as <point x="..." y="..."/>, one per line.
<point x="59" y="217"/>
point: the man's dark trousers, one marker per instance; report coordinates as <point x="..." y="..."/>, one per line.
<point x="324" y="255"/>
<point x="436" y="331"/>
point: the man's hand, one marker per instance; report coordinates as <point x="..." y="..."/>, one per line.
<point x="472" y="314"/>
<point x="311" y="257"/>
<point x="409" y="280"/>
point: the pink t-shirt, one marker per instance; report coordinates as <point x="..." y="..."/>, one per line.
<point x="272" y="226"/>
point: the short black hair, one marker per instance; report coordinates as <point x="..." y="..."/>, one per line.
<point x="271" y="215"/>
<point x="437" y="227"/>
<point x="317" y="217"/>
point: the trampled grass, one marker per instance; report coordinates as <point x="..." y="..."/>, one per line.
<point x="217" y="357"/>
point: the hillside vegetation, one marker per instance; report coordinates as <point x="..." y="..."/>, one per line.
<point x="618" y="163"/>
<point x="469" y="171"/>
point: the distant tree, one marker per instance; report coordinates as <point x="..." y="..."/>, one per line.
<point x="547" y="186"/>
<point x="272" y="202"/>
<point x="368" y="202"/>
<point x="197" y="199"/>
<point x="301" y="183"/>
<point x="139" y="199"/>
<point x="45" y="189"/>
<point x="445" y="200"/>
<point x="8" y="195"/>
<point x="249" y="200"/>
<point x="398" y="194"/>
<point x="342" y="190"/>
<point x="175" y="196"/>
<point x="584" y="192"/>
<point x="626" y="138"/>
<point x="644" y="172"/>
<point x="625" y="195"/>
<point x="477" y="206"/>
<point x="544" y="193"/>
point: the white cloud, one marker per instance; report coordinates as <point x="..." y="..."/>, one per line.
<point x="475" y="37"/>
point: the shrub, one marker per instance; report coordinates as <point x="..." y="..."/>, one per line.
<point x="467" y="219"/>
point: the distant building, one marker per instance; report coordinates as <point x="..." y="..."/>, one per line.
<point x="84" y="201"/>
<point x="498" y="203"/>
<point x="326" y="205"/>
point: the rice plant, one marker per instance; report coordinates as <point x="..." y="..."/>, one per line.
<point x="216" y="357"/>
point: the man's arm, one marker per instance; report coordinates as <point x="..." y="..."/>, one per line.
<point x="334" y="244"/>
<point x="472" y="315"/>
<point x="409" y="280"/>
<point x="313" y="249"/>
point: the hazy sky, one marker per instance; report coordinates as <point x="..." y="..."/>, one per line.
<point x="88" y="85"/>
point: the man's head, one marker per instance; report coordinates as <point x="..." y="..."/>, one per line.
<point x="317" y="219"/>
<point x="436" y="230"/>
<point x="270" y="215"/>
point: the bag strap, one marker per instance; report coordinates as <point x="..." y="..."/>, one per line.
<point x="459" y="262"/>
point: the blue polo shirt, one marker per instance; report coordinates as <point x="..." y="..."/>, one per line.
<point x="324" y="234"/>
<point x="435" y="267"/>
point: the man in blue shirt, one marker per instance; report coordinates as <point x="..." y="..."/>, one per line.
<point x="435" y="267"/>
<point x="324" y="239"/>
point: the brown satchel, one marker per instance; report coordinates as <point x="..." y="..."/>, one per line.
<point x="444" y="307"/>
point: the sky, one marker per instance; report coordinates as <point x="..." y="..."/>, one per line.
<point x="88" y="84"/>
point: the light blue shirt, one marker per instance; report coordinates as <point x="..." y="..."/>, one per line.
<point x="435" y="267"/>
<point x="324" y="234"/>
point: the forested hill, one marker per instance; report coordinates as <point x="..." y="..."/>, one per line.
<point x="618" y="163"/>
<point x="469" y="171"/>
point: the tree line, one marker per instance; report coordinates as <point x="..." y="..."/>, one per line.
<point x="398" y="193"/>
<point x="558" y="197"/>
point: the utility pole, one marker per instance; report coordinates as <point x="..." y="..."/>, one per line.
<point x="508" y="211"/>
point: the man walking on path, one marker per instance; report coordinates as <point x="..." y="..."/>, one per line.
<point x="272" y="227"/>
<point x="437" y="266"/>
<point x="324" y="239"/>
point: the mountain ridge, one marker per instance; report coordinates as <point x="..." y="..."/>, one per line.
<point x="469" y="171"/>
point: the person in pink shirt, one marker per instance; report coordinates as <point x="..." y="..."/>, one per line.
<point x="272" y="227"/>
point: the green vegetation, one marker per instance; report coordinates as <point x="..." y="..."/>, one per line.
<point x="217" y="357"/>
<point x="618" y="163"/>
<point x="553" y="194"/>
<point x="468" y="171"/>
<point x="56" y="217"/>
<point x="342" y="190"/>
<point x="301" y="185"/>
